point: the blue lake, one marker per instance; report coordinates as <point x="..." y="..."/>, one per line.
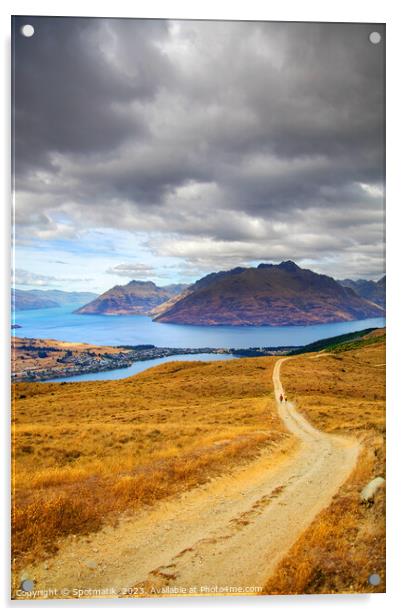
<point x="62" y="324"/>
<point x="140" y="366"/>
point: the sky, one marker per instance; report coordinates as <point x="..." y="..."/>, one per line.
<point x="165" y="150"/>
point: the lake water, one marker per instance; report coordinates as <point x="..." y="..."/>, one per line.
<point x="61" y="324"/>
<point x="140" y="366"/>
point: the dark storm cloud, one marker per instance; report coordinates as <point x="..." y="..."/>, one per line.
<point x="68" y="97"/>
<point x="256" y="140"/>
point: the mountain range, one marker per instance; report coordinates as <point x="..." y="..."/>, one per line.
<point x="275" y="295"/>
<point x="373" y="291"/>
<point x="136" y="297"/>
<point x="36" y="299"/>
<point x="283" y="294"/>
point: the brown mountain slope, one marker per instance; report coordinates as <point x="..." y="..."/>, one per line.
<point x="24" y="300"/>
<point x="273" y="295"/>
<point x="136" y="297"/>
<point x="368" y="289"/>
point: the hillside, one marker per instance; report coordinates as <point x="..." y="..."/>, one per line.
<point x="368" y="289"/>
<point x="344" y="342"/>
<point x="35" y="299"/>
<point x="136" y="297"/>
<point x="140" y="440"/>
<point x="275" y="295"/>
<point x="24" y="300"/>
<point x="198" y="464"/>
<point x="342" y="394"/>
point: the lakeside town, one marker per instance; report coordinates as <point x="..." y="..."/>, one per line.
<point x="41" y="359"/>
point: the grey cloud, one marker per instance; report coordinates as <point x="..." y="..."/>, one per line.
<point x="132" y="270"/>
<point x="24" y="278"/>
<point x="69" y="96"/>
<point x="255" y="136"/>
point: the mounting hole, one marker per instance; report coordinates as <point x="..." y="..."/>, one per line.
<point x="27" y="585"/>
<point x="375" y="38"/>
<point x="27" y="30"/>
<point x="374" y="579"/>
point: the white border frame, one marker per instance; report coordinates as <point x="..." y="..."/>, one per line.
<point x="386" y="11"/>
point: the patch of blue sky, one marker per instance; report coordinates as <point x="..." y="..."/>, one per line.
<point x="87" y="261"/>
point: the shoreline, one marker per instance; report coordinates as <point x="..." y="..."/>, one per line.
<point x="61" y="359"/>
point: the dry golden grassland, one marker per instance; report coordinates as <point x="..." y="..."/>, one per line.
<point x="341" y="393"/>
<point x="84" y="453"/>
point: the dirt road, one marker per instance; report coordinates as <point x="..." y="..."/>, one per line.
<point x="230" y="532"/>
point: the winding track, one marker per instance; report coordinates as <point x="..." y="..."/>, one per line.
<point x="232" y="531"/>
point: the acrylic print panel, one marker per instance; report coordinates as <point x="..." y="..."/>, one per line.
<point x="198" y="308"/>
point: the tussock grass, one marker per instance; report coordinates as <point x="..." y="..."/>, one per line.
<point x="343" y="394"/>
<point x="84" y="453"/>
